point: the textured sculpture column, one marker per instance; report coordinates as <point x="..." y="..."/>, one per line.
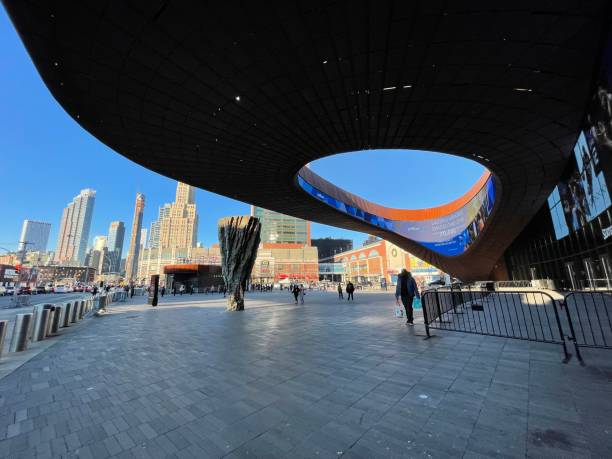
<point x="239" y="239"/>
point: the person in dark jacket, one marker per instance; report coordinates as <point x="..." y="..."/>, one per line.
<point x="340" y="296"/>
<point x="296" y="292"/>
<point x="405" y="291"/>
<point x="350" y="288"/>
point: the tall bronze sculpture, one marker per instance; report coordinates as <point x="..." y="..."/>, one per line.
<point x="238" y="239"/>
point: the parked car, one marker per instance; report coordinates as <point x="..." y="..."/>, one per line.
<point x="78" y="288"/>
<point x="437" y="282"/>
<point x="24" y="291"/>
<point x="10" y="291"/>
<point x="41" y="289"/>
<point x="61" y="289"/>
<point x="49" y="288"/>
<point x="2" y="290"/>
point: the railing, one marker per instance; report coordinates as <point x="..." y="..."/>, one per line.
<point x="596" y="284"/>
<point x="19" y="301"/>
<point x="513" y="284"/>
<point x="589" y="317"/>
<point x="524" y="315"/>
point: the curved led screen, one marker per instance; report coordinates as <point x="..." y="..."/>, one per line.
<point x="448" y="235"/>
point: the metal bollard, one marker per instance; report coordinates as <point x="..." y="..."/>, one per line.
<point x="67" y="315"/>
<point x="74" y="312"/>
<point x="19" y="341"/>
<point x="81" y="310"/>
<point x="50" y="321"/>
<point x="42" y="322"/>
<point x="3" y="329"/>
<point x="55" y="322"/>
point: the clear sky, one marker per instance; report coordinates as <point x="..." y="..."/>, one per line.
<point x="46" y="159"/>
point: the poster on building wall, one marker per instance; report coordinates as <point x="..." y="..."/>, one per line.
<point x="582" y="193"/>
<point x="598" y="127"/>
<point x="418" y="266"/>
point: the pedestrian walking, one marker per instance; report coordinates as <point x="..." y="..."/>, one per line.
<point x="350" y="288"/>
<point x="163" y="290"/>
<point x="301" y="294"/>
<point x="405" y="291"/>
<point x="182" y="289"/>
<point x="174" y="290"/>
<point x="340" y="295"/>
<point x="296" y="292"/>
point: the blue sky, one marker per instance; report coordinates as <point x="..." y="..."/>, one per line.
<point x="46" y="159"/>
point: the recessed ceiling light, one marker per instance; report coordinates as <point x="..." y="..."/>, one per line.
<point x="237" y="98"/>
<point x="523" y="89"/>
<point x="407" y="86"/>
<point x="389" y="88"/>
<point x="325" y="61"/>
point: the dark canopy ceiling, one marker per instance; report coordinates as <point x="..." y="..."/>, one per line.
<point x="159" y="81"/>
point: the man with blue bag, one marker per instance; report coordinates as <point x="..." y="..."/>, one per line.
<point x="406" y="290"/>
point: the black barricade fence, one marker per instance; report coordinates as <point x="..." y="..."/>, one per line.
<point x="525" y="315"/>
<point x="589" y="317"/>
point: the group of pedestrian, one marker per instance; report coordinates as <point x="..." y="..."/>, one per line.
<point x="350" y="289"/>
<point x="298" y="293"/>
<point x="262" y="287"/>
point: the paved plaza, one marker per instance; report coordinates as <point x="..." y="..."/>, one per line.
<point x="328" y="379"/>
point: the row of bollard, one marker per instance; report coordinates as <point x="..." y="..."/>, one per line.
<point x="45" y="321"/>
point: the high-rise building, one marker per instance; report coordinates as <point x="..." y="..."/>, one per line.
<point x="99" y="242"/>
<point x="143" y="239"/>
<point x="74" y="228"/>
<point x="97" y="257"/>
<point x="164" y="211"/>
<point x="179" y="228"/>
<point x="116" y="235"/>
<point x="131" y="264"/>
<point x="34" y="236"/>
<point x="278" y="228"/>
<point x="328" y="247"/>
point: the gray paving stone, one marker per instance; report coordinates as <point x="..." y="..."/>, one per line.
<point x="281" y="381"/>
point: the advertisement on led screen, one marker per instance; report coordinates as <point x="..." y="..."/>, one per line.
<point x="582" y="193"/>
<point x="450" y="235"/>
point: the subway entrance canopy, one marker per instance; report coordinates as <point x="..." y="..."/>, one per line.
<point x="238" y="97"/>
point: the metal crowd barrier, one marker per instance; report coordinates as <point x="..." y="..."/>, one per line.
<point x="589" y="317"/>
<point x="524" y="315"/>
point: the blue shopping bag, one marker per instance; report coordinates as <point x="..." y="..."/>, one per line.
<point x="416" y="303"/>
